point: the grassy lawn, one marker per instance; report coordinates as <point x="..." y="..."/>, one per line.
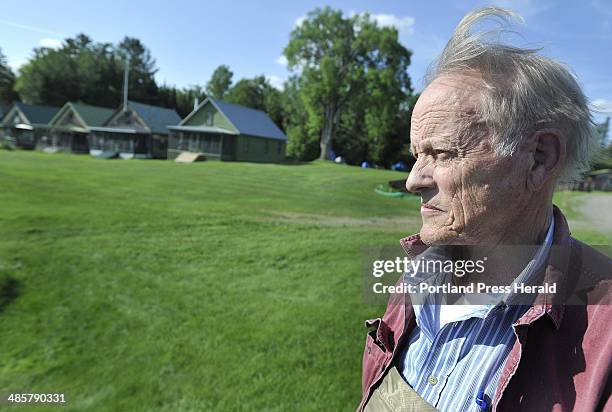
<point x="591" y="231"/>
<point x="150" y="285"/>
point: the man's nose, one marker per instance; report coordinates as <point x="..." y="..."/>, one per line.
<point x="420" y="178"/>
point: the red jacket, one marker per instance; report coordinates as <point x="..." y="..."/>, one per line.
<point x="561" y="359"/>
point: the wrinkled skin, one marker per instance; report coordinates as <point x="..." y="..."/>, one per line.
<point x="481" y="197"/>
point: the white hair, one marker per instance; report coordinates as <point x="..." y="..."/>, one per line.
<point x="523" y="91"/>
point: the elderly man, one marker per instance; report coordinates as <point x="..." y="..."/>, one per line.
<point x="494" y="131"/>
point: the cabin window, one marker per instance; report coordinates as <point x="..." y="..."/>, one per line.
<point x="245" y="145"/>
<point x="209" y="118"/>
<point x="266" y="147"/>
<point x="215" y="144"/>
<point x="279" y="147"/>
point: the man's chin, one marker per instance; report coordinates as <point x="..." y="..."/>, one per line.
<point x="438" y="236"/>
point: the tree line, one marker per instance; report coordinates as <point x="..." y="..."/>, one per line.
<point x="349" y="92"/>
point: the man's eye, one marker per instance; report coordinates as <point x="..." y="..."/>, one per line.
<point x="441" y="154"/>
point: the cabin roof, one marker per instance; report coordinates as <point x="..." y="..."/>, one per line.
<point x="245" y="120"/>
<point x="90" y="115"/>
<point x="157" y="118"/>
<point x="206" y="129"/>
<point x="37" y="114"/>
<point x="250" y="121"/>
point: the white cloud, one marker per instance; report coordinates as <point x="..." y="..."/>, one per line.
<point x="404" y="24"/>
<point x="602" y="106"/>
<point x="50" y="42"/>
<point x="276" y="81"/>
<point x="282" y="60"/>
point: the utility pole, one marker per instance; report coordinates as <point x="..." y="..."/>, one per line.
<point x="126" y="75"/>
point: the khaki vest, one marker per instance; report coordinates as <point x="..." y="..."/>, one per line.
<point x="395" y="395"/>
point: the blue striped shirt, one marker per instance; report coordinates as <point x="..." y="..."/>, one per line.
<point x="455" y="351"/>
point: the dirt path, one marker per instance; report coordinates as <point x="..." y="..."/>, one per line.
<point x="596" y="211"/>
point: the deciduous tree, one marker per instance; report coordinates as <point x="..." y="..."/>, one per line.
<point x="219" y="82"/>
<point x="342" y="58"/>
<point x="7" y="81"/>
<point x="87" y="71"/>
<point x="257" y="93"/>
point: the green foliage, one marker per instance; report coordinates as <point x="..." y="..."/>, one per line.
<point x="7" y="81"/>
<point x="603" y="158"/>
<point x="257" y="93"/>
<point x="183" y="100"/>
<point x="601" y="131"/>
<point x="220" y="82"/>
<point x="350" y="65"/>
<point x="349" y="92"/>
<point x="142" y="85"/>
<point x="83" y="70"/>
<point x="301" y="143"/>
<point x="248" y="92"/>
<point x="602" y="161"/>
<point x="351" y="140"/>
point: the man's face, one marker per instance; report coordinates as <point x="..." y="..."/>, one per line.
<point x="469" y="194"/>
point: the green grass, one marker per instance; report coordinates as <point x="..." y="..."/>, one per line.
<point x="569" y="203"/>
<point x="151" y="285"/>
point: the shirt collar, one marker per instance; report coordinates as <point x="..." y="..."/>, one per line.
<point x="528" y="275"/>
<point x="439" y="315"/>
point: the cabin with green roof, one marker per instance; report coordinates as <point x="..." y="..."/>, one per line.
<point x="70" y="127"/>
<point x="25" y="124"/>
<point x="135" y="130"/>
<point x="224" y="131"/>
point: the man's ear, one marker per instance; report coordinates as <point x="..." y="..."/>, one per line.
<point x="547" y="156"/>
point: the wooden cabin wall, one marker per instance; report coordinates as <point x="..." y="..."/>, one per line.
<point x="257" y="149"/>
<point x="197" y="142"/>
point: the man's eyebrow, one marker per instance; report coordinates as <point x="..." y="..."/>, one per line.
<point x="450" y="141"/>
<point x="426" y="144"/>
<point x="445" y="140"/>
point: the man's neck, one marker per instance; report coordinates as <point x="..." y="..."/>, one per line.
<point x="504" y="260"/>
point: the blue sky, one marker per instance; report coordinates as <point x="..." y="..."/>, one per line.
<point x="190" y="38"/>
